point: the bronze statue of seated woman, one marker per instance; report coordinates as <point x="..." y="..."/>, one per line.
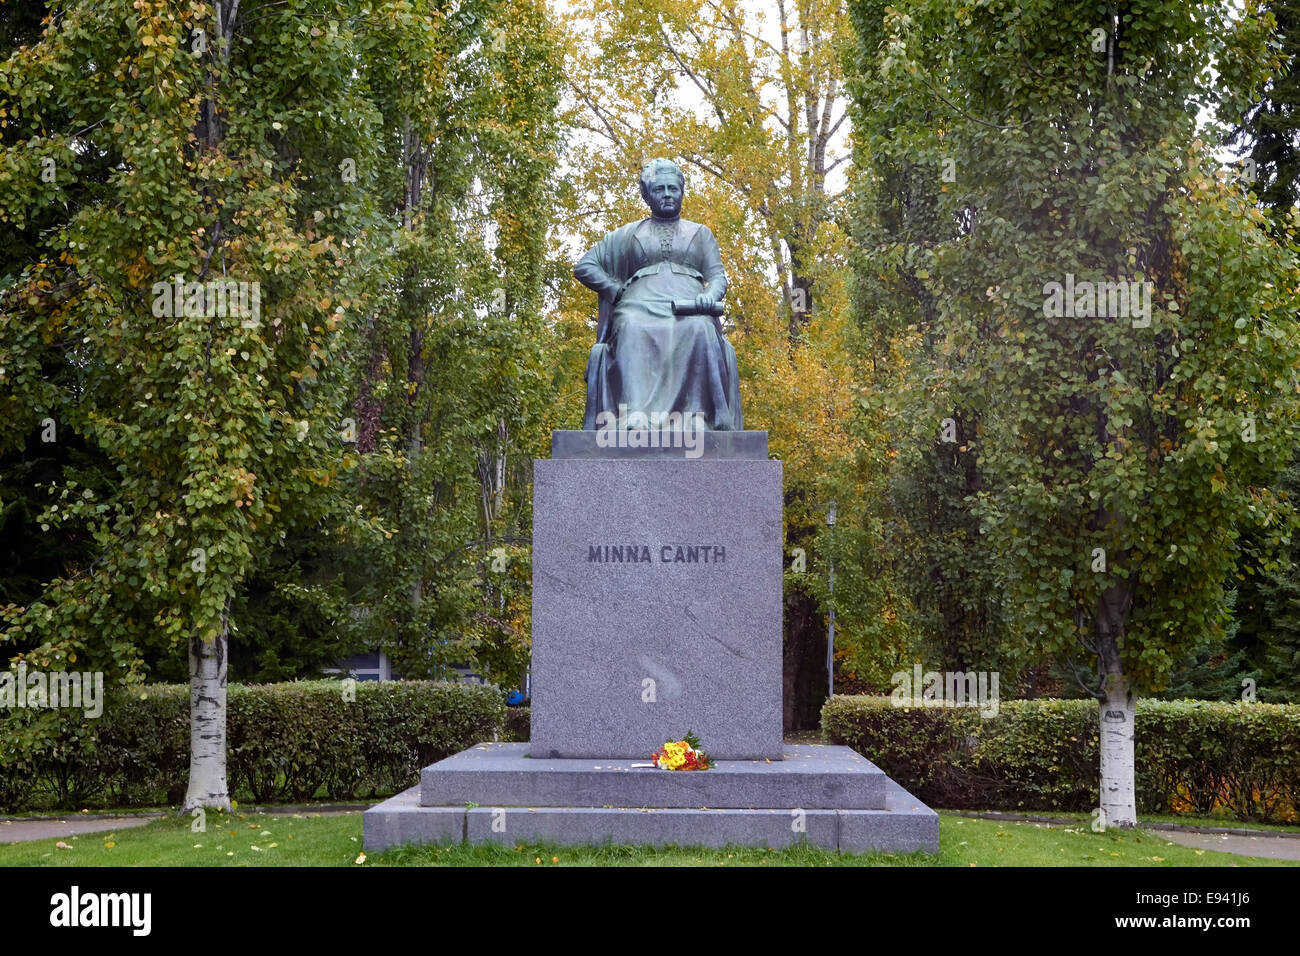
<point x="659" y="341"/>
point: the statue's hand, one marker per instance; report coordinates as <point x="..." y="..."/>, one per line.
<point x="705" y="302"/>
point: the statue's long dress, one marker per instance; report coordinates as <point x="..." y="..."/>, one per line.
<point x="646" y="358"/>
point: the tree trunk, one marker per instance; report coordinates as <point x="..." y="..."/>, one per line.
<point x="1118" y="710"/>
<point x="1118" y="788"/>
<point x="207" y="785"/>
<point x="1117" y="701"/>
<point x="208" y="723"/>
<point x="803" y="661"/>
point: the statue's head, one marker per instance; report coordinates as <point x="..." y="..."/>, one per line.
<point x="662" y="185"/>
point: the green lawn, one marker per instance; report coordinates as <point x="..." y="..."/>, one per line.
<point x="335" y="840"/>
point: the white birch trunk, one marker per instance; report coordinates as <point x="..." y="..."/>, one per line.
<point x="207" y="725"/>
<point x="1118" y="710"/>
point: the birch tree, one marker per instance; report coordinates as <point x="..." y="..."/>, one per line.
<point x="1124" y="438"/>
<point x="195" y="151"/>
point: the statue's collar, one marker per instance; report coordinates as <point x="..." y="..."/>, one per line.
<point x="686" y="230"/>
<point x="685" y="227"/>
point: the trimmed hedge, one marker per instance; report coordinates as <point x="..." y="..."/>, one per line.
<point x="1191" y="756"/>
<point x="287" y="742"/>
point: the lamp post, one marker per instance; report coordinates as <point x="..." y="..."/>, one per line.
<point x="830" y="634"/>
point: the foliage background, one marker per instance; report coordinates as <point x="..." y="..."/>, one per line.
<point x="430" y="301"/>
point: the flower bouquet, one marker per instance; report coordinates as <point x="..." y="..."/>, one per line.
<point x="684" y="754"/>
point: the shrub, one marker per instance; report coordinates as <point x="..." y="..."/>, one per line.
<point x="1205" y="757"/>
<point x="293" y="741"/>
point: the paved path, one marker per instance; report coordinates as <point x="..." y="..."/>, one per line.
<point x="1275" y="848"/>
<point x="28" y="831"/>
<point x="1275" y="845"/>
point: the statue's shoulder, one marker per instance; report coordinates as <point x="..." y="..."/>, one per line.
<point x="696" y="230"/>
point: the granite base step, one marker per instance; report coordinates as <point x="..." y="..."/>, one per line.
<point x="811" y="777"/>
<point x="903" y="825"/>
<point x="830" y="797"/>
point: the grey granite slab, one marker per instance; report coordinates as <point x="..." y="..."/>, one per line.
<point x="811" y="776"/>
<point x="584" y="826"/>
<point x="400" y="820"/>
<point x="656" y="607"/>
<point x="905" y="826"/>
<point x="704" y="445"/>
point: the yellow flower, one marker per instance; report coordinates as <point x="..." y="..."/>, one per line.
<point x="674" y="754"/>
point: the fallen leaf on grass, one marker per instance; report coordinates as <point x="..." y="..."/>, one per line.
<point x="62" y="846"/>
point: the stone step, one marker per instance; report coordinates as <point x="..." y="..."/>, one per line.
<point x="904" y="825"/>
<point x="811" y="777"/>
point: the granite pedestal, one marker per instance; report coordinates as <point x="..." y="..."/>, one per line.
<point x="657" y="573"/>
<point x="656" y="605"/>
